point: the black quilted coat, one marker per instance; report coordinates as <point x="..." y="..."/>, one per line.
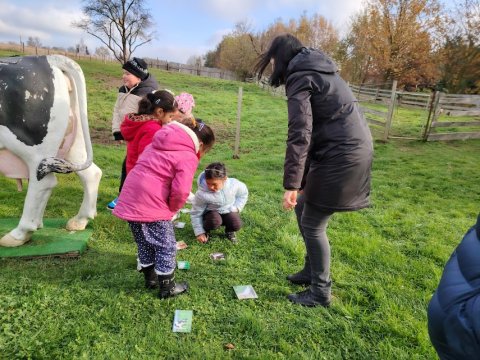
<point x="329" y="147"/>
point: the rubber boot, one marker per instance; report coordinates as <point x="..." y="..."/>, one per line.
<point x="168" y="288"/>
<point x="151" y="280"/>
<point x="303" y="277"/>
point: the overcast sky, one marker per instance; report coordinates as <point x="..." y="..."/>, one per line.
<point x="183" y="27"/>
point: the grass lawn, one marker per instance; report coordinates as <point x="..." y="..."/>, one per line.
<point x="386" y="260"/>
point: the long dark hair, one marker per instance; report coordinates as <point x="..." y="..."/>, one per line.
<point x="282" y="49"/>
<point x="158" y="99"/>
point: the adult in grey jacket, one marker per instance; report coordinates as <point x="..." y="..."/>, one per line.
<point x="328" y="158"/>
<point x="454" y="311"/>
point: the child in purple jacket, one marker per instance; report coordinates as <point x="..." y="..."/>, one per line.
<point x="155" y="189"/>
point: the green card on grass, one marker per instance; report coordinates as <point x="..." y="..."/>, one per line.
<point x="182" y="322"/>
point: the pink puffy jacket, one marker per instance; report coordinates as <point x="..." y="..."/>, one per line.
<point x="159" y="184"/>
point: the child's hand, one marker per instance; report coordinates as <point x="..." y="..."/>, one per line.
<point x="202" y="238"/>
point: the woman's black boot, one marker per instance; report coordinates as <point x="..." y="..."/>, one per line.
<point x="168" y="288"/>
<point x="307" y="298"/>
<point x="303" y="277"/>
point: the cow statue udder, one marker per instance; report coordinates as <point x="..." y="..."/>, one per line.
<point x="43" y="130"/>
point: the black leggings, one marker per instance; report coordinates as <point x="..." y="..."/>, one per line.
<point x="312" y="223"/>
<point x="213" y="220"/>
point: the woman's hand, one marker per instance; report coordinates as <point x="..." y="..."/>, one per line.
<point x="202" y="238"/>
<point x="290" y="199"/>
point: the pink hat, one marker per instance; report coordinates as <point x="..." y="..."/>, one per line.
<point x="185" y="103"/>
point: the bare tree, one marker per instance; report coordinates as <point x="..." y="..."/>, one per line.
<point x="102" y="51"/>
<point x="34" y="41"/>
<point x="195" y="60"/>
<point x="121" y="25"/>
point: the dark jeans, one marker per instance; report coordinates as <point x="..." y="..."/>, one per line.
<point x="213" y="220"/>
<point x="312" y="223"/>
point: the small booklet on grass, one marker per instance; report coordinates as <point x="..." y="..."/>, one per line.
<point x="179" y="224"/>
<point x="183" y="265"/>
<point x="245" y="292"/>
<point x="182" y="322"/>
<point x="217" y="256"/>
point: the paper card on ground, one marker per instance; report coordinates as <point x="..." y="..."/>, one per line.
<point x="183" y="265"/>
<point x="217" y="256"/>
<point x="181" y="245"/>
<point x="245" y="292"/>
<point x="184" y="211"/>
<point x="179" y="225"/>
<point x="182" y="321"/>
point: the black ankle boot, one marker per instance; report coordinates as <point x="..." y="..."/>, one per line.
<point x="304" y="276"/>
<point x="307" y="298"/>
<point x="151" y="280"/>
<point x="168" y="288"/>
<point x="300" y="278"/>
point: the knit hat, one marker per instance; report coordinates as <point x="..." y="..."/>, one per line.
<point x="185" y="103"/>
<point x="137" y="67"/>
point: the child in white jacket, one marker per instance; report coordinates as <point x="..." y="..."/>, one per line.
<point x="218" y="201"/>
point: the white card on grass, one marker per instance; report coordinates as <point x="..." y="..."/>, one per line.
<point x="245" y="292"/>
<point x="179" y="225"/>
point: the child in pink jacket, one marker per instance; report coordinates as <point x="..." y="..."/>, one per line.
<point x="155" y="189"/>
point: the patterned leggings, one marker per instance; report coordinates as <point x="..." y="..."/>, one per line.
<point x="156" y="245"/>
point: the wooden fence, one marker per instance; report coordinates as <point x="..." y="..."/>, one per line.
<point x="453" y="117"/>
<point x="374" y="94"/>
<point x="450" y="116"/>
<point x="380" y="120"/>
<point x="191" y="69"/>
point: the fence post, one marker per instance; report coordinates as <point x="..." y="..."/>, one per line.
<point x="237" y="131"/>
<point x="391" y="107"/>
<point x="432" y="114"/>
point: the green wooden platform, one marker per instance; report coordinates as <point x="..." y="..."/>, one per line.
<point x="52" y="240"/>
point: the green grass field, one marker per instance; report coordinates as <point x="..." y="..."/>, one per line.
<point x="386" y="260"/>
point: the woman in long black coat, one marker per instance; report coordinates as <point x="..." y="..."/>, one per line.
<point x="328" y="157"/>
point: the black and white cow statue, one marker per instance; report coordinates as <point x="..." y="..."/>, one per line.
<point x="43" y="130"/>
